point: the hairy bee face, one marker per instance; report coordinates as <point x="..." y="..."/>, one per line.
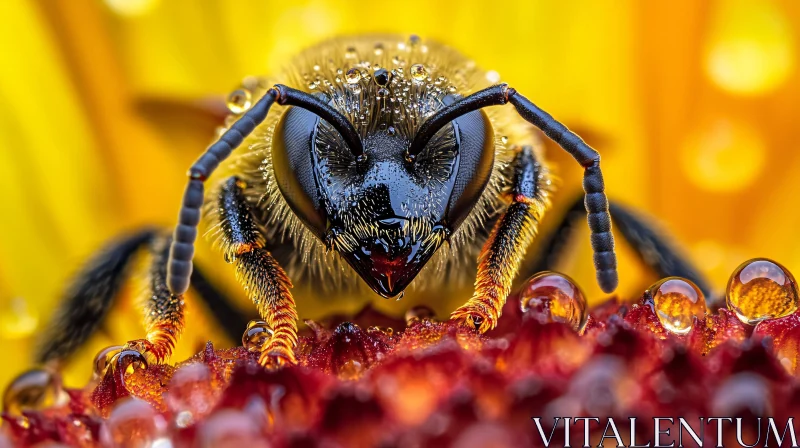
<point x="385" y="216"/>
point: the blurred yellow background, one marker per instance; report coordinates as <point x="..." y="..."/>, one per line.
<point x="105" y="103"/>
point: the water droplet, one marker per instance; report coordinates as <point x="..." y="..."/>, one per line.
<point x="130" y="359"/>
<point x="383" y="92"/>
<point x="350" y="53"/>
<point x="492" y="76"/>
<point x="184" y="419"/>
<point x="452" y="89"/>
<point x="34" y="390"/>
<point x="133" y="419"/>
<point x="350" y="370"/>
<point x="239" y="101"/>
<point x="676" y="302"/>
<point x="388" y="331"/>
<point x="190" y="395"/>
<point x="256" y="336"/>
<point x="419" y="312"/>
<point x="381" y="77"/>
<point x="419" y="73"/>
<point x="352" y="76"/>
<point x="398" y="60"/>
<point x="761" y="289"/>
<point x="391" y="130"/>
<point x="355" y="88"/>
<point x="378" y="50"/>
<point x="556" y="297"/>
<point x="504" y="139"/>
<point x="229" y="427"/>
<point x="103" y="359"/>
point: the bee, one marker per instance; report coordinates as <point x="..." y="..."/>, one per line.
<point x="389" y="159"/>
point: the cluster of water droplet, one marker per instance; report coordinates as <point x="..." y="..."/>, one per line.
<point x="758" y="290"/>
<point x="378" y="90"/>
<point x="393" y="86"/>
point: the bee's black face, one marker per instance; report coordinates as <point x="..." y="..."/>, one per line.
<point x="386" y="217"/>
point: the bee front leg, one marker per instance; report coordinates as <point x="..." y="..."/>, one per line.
<point x="503" y="251"/>
<point x="163" y="311"/>
<point x="259" y="273"/>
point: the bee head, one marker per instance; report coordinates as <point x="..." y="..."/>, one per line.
<point x="384" y="214"/>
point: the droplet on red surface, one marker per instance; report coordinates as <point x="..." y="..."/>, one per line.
<point x="36" y="389"/>
<point x="256" y="336"/>
<point x="133" y="423"/>
<point x="554" y="297"/>
<point x="761" y="289"/>
<point x="190" y="395"/>
<point x="677" y="302"/>
<point x="229" y="428"/>
<point x="102" y="360"/>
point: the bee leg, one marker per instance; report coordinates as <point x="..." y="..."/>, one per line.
<point x="164" y="312"/>
<point x="503" y="251"/>
<point x="259" y="273"/>
<point x="653" y="246"/>
<point x="89" y="297"/>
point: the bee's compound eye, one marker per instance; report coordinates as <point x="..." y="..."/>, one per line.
<point x="292" y="163"/>
<point x="476" y="150"/>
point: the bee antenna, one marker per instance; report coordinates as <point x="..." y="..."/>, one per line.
<point x="595" y="200"/>
<point x="179" y="266"/>
<point x="292" y="97"/>
<point x="493" y="96"/>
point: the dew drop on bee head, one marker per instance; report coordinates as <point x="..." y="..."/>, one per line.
<point x="419" y="73"/>
<point x="239" y="101"/>
<point x="256" y="336"/>
<point x="381" y="77"/>
<point x="761" y="289"/>
<point x="677" y="302"/>
<point x="554" y="297"/>
<point x="353" y="76"/>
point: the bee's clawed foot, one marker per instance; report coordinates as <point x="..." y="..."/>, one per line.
<point x="475" y="316"/>
<point x="150" y="352"/>
<point x="274" y="358"/>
